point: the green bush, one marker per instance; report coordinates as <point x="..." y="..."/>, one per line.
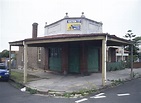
<point x="113" y="66"/>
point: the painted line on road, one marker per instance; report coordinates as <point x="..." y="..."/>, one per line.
<point x="81" y="100"/>
<point x="98" y="97"/>
<point x="125" y="94"/>
<point x="101" y="95"/>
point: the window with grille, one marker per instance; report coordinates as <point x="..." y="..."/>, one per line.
<point x="39" y="53"/>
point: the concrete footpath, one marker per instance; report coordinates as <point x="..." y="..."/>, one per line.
<point x="49" y="81"/>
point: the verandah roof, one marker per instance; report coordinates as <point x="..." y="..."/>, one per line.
<point x="112" y="40"/>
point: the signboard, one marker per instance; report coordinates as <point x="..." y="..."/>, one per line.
<point x="74" y="24"/>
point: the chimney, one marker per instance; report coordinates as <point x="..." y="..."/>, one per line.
<point x="34" y="30"/>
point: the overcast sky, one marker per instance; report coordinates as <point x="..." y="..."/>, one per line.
<point x="17" y="16"/>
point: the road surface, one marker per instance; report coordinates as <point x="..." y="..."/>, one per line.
<point x="129" y="92"/>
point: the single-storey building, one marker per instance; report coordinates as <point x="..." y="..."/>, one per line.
<point x="70" y="45"/>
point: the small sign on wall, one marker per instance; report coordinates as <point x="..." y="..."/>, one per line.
<point x="73" y="25"/>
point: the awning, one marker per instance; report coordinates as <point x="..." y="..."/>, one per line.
<point x="112" y="40"/>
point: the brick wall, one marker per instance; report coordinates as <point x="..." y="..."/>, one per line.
<point x="19" y="58"/>
<point x="41" y="64"/>
<point x="137" y="65"/>
<point x="33" y="62"/>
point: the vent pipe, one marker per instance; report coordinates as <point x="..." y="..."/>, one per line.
<point x="83" y="16"/>
<point x="66" y="16"/>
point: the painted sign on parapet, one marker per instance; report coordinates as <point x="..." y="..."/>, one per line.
<point x="74" y="24"/>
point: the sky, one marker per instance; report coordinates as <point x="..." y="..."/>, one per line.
<point x="17" y="16"/>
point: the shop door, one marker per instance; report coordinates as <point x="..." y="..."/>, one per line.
<point x="55" y="59"/>
<point x="74" y="62"/>
<point x="92" y="59"/>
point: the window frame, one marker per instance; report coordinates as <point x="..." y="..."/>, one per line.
<point x="39" y="53"/>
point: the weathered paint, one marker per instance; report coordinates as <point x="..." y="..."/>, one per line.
<point x="104" y="44"/>
<point x="83" y="58"/>
<point x="55" y="59"/>
<point x="92" y="59"/>
<point x="74" y="58"/>
<point x="25" y="62"/>
<point x="62" y="26"/>
<point x="65" y="58"/>
<point x="46" y="62"/>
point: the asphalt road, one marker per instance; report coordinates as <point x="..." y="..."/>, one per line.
<point x="9" y="94"/>
<point x="130" y="92"/>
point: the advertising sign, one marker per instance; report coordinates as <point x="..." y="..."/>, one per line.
<point x="73" y="25"/>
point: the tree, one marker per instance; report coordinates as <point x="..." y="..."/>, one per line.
<point x="137" y="41"/>
<point x="134" y="47"/>
<point x="129" y="35"/>
<point x="137" y="38"/>
<point x="4" y="54"/>
<point x="132" y="38"/>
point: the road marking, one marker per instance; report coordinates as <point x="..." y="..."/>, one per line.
<point x="125" y="94"/>
<point x="101" y="95"/>
<point x="81" y="100"/>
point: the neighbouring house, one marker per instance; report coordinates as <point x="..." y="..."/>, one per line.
<point x="137" y="63"/>
<point x="13" y="59"/>
<point x="121" y="54"/>
<point x="70" y="45"/>
<point x="139" y="46"/>
<point x="116" y="58"/>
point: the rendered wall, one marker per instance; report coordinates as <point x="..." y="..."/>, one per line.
<point x="73" y="26"/>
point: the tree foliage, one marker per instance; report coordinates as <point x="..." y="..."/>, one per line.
<point x="135" y="40"/>
<point x="4" y="54"/>
<point x="129" y="35"/>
